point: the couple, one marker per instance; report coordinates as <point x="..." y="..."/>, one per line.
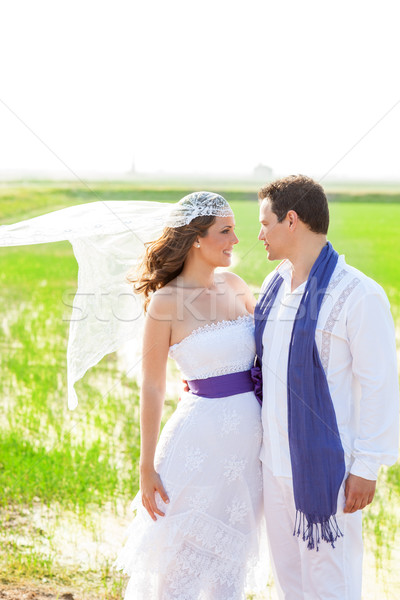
<point x="319" y="355"/>
<point x="326" y="368"/>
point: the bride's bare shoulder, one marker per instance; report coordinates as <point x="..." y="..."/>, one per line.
<point x="232" y="280"/>
<point x="240" y="288"/>
<point x="162" y="303"/>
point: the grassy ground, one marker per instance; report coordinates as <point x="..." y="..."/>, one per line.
<point x="65" y="477"/>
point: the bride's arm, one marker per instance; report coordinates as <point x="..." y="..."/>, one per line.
<point x="155" y="354"/>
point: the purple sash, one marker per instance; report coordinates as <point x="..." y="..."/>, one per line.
<point x="222" y="385"/>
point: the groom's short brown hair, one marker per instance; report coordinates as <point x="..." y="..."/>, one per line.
<point x="301" y="194"/>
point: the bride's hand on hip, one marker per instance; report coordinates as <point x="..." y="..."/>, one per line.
<point x="150" y="483"/>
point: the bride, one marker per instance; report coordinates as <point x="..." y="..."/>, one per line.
<point x="195" y="534"/>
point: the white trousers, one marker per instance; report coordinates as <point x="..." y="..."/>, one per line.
<point x="301" y="574"/>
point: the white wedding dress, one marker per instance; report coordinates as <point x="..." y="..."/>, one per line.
<point x="206" y="546"/>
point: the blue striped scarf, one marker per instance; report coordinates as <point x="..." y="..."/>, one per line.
<point x="316" y="451"/>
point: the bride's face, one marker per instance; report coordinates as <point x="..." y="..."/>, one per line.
<point x="217" y="246"/>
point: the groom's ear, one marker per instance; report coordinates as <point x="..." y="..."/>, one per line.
<point x="292" y="219"/>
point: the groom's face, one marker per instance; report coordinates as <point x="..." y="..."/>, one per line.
<point x="272" y="233"/>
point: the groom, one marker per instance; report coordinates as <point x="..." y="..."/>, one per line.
<point x="326" y="347"/>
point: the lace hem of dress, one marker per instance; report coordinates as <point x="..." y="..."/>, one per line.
<point x="193" y="576"/>
<point x="186" y="550"/>
<point x="218" y="325"/>
<point x="205" y="532"/>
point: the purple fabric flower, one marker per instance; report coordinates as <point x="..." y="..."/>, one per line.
<point x="256" y="376"/>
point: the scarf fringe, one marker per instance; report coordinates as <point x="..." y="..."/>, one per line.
<point x="313" y="530"/>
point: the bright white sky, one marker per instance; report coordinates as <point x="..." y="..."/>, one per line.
<point x="201" y="86"/>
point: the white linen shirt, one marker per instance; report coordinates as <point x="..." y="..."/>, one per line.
<point x="356" y="343"/>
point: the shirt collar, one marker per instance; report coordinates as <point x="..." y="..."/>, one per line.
<point x="285" y="269"/>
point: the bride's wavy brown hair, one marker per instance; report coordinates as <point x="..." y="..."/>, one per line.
<point x="164" y="258"/>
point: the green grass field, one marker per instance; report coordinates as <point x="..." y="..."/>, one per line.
<point x="84" y="464"/>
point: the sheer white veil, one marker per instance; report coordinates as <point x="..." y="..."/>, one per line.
<point x="108" y="240"/>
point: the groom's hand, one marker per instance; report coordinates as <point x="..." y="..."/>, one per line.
<point x="359" y="492"/>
